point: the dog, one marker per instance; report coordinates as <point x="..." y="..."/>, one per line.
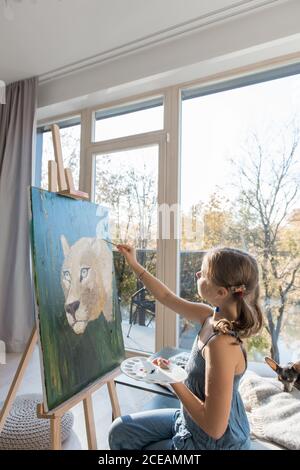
<point x="289" y="375"/>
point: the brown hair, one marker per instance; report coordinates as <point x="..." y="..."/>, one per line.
<point x="237" y="271"/>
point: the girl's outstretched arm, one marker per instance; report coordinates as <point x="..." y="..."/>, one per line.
<point x="194" y="311"/>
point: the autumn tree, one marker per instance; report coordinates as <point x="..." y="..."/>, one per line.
<point x="131" y="195"/>
<point x="268" y="184"/>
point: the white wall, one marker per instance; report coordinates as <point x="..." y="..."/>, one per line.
<point x="246" y="39"/>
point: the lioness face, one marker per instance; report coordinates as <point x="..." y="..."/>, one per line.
<point x="86" y="279"/>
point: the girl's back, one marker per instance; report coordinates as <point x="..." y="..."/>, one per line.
<point x="237" y="434"/>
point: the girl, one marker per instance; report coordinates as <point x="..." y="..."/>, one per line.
<point x="212" y="414"/>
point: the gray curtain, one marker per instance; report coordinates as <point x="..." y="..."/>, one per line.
<point x="17" y="119"/>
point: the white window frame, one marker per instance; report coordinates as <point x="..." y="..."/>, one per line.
<point x="168" y="186"/>
<point x="168" y="140"/>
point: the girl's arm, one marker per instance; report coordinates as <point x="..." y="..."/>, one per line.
<point x="194" y="311"/>
<point x="212" y="415"/>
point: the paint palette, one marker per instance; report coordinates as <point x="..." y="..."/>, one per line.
<point x="141" y="368"/>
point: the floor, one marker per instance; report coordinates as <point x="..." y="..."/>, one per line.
<point x="141" y="338"/>
<point x="130" y="399"/>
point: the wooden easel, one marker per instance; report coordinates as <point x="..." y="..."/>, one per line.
<point x="61" y="179"/>
<point x="55" y="417"/>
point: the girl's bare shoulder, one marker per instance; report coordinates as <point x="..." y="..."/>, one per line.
<point x="219" y="349"/>
<point x="207" y="314"/>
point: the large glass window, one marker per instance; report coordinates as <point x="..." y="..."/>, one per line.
<point x="129" y="120"/>
<point x="70" y="131"/>
<point x="239" y="187"/>
<point x="127" y="183"/>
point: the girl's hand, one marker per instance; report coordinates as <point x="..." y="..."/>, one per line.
<point x="129" y="252"/>
<point x="161" y="362"/>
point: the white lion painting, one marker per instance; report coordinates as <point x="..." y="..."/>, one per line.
<point x="86" y="279"/>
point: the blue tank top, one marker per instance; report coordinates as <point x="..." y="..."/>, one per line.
<point x="237" y="434"/>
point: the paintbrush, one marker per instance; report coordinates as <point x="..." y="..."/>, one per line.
<point x="108" y="241"/>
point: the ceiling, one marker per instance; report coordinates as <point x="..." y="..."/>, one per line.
<point x="38" y="37"/>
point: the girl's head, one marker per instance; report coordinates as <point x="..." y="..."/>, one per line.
<point x="231" y="276"/>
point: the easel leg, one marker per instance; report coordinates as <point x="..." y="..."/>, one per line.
<point x="116" y="411"/>
<point x="55" y="430"/>
<point x="90" y="423"/>
<point x="18" y="377"/>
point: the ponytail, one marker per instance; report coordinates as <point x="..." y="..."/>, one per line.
<point x="250" y="318"/>
<point x="238" y="272"/>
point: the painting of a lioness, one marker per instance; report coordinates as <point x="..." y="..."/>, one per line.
<point x="86" y="279"/>
<point x="77" y="308"/>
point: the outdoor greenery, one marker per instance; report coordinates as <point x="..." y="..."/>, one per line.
<point x="263" y="220"/>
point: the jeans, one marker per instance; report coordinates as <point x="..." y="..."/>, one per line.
<point x="148" y="430"/>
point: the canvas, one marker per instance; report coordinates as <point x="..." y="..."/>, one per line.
<point x="77" y="308"/>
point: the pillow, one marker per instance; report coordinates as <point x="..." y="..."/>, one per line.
<point x="274" y="415"/>
<point x="23" y="430"/>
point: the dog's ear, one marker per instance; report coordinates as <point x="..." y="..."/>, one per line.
<point x="276" y="367"/>
<point x="296" y="367"/>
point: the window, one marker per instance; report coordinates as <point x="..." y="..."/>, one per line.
<point x="229" y="132"/>
<point x="70" y="131"/>
<point x="129" y="120"/>
<point x="127" y="182"/>
<point x="239" y="187"/>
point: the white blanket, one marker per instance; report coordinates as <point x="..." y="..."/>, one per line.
<point x="273" y="415"/>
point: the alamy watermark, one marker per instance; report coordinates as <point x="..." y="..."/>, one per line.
<point x="168" y="223"/>
<point x="2" y="92"/>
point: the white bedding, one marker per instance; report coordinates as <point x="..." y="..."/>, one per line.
<point x="274" y="415"/>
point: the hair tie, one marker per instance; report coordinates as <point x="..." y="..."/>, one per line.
<point x="238" y="291"/>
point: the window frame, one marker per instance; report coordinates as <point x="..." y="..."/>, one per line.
<point x="166" y="139"/>
<point x="63" y="122"/>
<point x="170" y="147"/>
<point x="125" y="108"/>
